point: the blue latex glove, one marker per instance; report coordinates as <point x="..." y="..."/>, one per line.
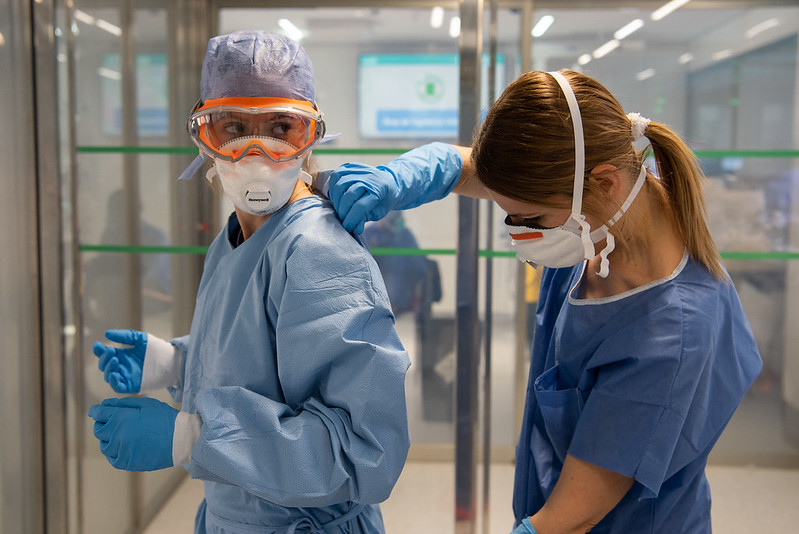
<point x="525" y="527"/>
<point x="362" y="193"/>
<point x="135" y="433"/>
<point x="122" y="368"/>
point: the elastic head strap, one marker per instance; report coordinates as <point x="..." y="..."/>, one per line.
<point x="579" y="163"/>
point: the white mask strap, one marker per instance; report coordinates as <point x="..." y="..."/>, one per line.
<point x="579" y="164"/>
<point x="604" y="264"/>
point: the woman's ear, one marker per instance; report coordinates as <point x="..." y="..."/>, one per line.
<point x="607" y="178"/>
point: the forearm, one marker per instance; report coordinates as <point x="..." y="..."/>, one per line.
<point x="468" y="185"/>
<point x="583" y="495"/>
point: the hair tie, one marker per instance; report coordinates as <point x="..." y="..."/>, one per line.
<point x="639" y="125"/>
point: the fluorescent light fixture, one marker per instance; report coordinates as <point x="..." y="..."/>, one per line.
<point x="667" y="8"/>
<point x="108" y="73"/>
<point x="721" y="54"/>
<point x="645" y="74"/>
<point x="437" y="17"/>
<point x="107" y="26"/>
<point x="542" y="25"/>
<point x="292" y="32"/>
<point x="2" y="39"/>
<point x="685" y="58"/>
<point x="628" y="29"/>
<point x="584" y="59"/>
<point x="760" y="28"/>
<point x="606" y="48"/>
<point x="83" y="17"/>
<point x="454" y="27"/>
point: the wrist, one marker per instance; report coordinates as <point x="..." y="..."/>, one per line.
<point x="161" y="366"/>
<point x="187" y="432"/>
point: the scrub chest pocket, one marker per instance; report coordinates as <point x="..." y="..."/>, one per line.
<point x="560" y="409"/>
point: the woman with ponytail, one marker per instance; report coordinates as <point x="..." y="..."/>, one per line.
<point x="642" y="351"/>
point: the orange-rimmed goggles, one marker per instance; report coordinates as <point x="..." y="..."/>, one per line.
<point x="231" y="128"/>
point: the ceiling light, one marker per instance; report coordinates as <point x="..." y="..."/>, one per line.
<point x="107" y="26"/>
<point x="108" y="73"/>
<point x="645" y="74"/>
<point x="685" y="58"/>
<point x="2" y="39"/>
<point x="722" y="54"/>
<point x="291" y="30"/>
<point x="584" y="59"/>
<point x="542" y="25"/>
<point x="454" y="27"/>
<point x="437" y="17"/>
<point x="628" y="29"/>
<point x="83" y="17"/>
<point x="606" y="48"/>
<point x="760" y="28"/>
<point x="667" y="8"/>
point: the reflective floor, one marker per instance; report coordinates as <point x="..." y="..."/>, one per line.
<point x="745" y="500"/>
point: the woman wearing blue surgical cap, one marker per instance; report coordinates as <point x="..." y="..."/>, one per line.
<point x="641" y="351"/>
<point x="291" y="381"/>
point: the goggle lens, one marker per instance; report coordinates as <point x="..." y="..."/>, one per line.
<point x="280" y="132"/>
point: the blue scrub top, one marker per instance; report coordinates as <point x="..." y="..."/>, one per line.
<point x="641" y="383"/>
<point x="294" y="364"/>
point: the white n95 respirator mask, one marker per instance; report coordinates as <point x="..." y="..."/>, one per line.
<point x="256" y="184"/>
<point x="561" y="246"/>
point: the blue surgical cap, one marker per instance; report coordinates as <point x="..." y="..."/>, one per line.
<point x="255" y="64"/>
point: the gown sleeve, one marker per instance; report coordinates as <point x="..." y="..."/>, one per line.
<point x="340" y="431"/>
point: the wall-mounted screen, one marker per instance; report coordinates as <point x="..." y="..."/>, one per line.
<point x="413" y="95"/>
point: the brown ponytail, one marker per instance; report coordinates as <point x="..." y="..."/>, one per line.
<point x="682" y="178"/>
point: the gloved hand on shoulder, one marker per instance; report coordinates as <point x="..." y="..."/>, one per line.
<point x="362" y="193"/>
<point x="135" y="433"/>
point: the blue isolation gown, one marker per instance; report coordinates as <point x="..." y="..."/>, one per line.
<point x="642" y="383"/>
<point x="294" y="364"/>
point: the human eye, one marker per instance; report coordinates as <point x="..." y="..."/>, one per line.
<point x="286" y="127"/>
<point x="532" y="222"/>
<point x="234" y="128"/>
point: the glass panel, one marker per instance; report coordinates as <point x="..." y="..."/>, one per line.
<point x="123" y="203"/>
<point x="726" y="80"/>
<point x="387" y="80"/>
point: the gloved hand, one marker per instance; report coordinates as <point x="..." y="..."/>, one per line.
<point x="122" y="368"/>
<point x="525" y="527"/>
<point x="362" y="193"/>
<point x="135" y="433"/>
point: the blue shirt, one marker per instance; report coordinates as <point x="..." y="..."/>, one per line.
<point x="641" y="383"/>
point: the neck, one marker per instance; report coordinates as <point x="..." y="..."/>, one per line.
<point x="649" y="250"/>
<point x="250" y="223"/>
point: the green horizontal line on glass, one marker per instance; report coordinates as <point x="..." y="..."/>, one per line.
<point x="377" y="251"/>
<point x="193" y="150"/>
<point x="143" y="249"/>
<point x="395" y="151"/>
<point x="384" y="251"/>
<point x="747" y="153"/>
